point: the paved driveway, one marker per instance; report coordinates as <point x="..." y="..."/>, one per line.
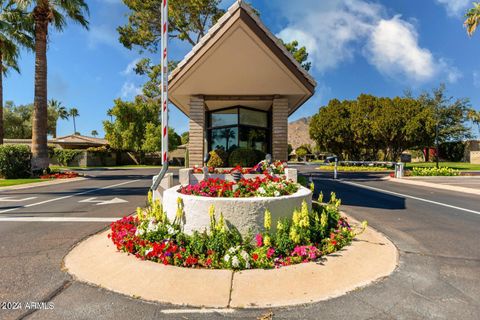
<point x="436" y="232"/>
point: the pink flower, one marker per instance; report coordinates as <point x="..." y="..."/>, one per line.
<point x="259" y="239"/>
<point x="270" y="252"/>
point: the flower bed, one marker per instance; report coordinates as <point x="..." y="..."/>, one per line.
<point x="276" y="167"/>
<point x="443" y="171"/>
<point x="306" y="236"/>
<point x="60" y="175"/>
<point x="267" y="186"/>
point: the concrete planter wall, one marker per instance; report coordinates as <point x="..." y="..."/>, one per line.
<point x="242" y="213"/>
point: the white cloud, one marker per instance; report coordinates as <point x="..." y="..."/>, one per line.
<point x="393" y="49"/>
<point x="130" y="67"/>
<point x="455" y="7"/>
<point x="476" y="79"/>
<point x="334" y="32"/>
<point x="129" y="90"/>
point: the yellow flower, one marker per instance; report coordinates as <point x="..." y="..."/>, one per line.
<point x="280" y="226"/>
<point x="266" y="241"/>
<point x="267" y="223"/>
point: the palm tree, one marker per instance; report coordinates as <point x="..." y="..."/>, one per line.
<point x="474" y="116"/>
<point x="94" y="133"/>
<point x="227" y="134"/>
<point x="15" y="31"/>
<point x="472" y="18"/>
<point x="74" y="113"/>
<point x="110" y="114"/>
<point x="60" y="112"/>
<point x="44" y="13"/>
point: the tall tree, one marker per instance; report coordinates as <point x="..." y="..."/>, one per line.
<point x="74" y="113"/>
<point x="110" y="114"/>
<point x="472" y="18"/>
<point x="45" y="13"/>
<point x="56" y="111"/>
<point x="474" y="116"/>
<point x="94" y="133"/>
<point x="15" y="31"/>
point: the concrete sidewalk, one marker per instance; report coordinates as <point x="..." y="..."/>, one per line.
<point x="465" y="184"/>
<point x="369" y="258"/>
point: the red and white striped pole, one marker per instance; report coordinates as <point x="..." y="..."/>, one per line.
<point x="164" y="97"/>
<point x="164" y="83"/>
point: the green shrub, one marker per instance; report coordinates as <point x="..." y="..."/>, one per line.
<point x="102" y="149"/>
<point x="245" y="157"/>
<point x="65" y="156"/>
<point x="218" y="158"/>
<point x="452" y="151"/>
<point x="443" y="171"/>
<point x="15" y="161"/>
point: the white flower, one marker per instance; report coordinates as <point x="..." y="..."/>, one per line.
<point x="139" y="232"/>
<point x="244" y="255"/>
<point x="231" y="250"/>
<point x="235" y="262"/>
<point x="148" y="251"/>
<point x="152" y="226"/>
<point x="261" y="190"/>
<point x="276" y="193"/>
<point x="226" y="258"/>
<point x="170" y="230"/>
<point x="247" y="265"/>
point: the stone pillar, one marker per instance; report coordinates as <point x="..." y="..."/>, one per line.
<point x="197" y="131"/>
<point x="280" y="129"/>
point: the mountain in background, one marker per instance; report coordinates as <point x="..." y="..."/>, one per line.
<point x="298" y="133"/>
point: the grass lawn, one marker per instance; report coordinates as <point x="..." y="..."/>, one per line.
<point x="453" y="165"/>
<point x="14" y="182"/>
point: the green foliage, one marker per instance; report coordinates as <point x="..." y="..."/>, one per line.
<point x="18" y="120"/>
<point x="300" y="54"/>
<point x="245" y="157"/>
<point x="218" y="158"/>
<point x="65" y="156"/>
<point x="301" y="151"/>
<point x="185" y="137"/>
<point x="136" y="126"/>
<point x="452" y="151"/>
<point x="15" y="161"/>
<point x="308" y="235"/>
<point x="364" y="128"/>
<point x="472" y="18"/>
<point x="442" y="171"/>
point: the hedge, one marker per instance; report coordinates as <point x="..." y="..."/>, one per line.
<point x="15" y="161"/>
<point x="64" y="156"/>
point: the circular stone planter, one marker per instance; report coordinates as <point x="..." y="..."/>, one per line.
<point x="96" y="261"/>
<point x="243" y="213"/>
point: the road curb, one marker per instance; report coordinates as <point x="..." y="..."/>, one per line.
<point x="42" y="184"/>
<point x="369" y="258"/>
<point x="436" y="185"/>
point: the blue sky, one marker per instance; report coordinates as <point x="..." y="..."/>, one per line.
<point x="356" y="46"/>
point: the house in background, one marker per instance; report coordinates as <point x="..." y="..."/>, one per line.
<point x="76" y="141"/>
<point x="73" y="141"/>
<point x="238" y="86"/>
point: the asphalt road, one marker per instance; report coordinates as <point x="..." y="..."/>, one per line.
<point x="436" y="231"/>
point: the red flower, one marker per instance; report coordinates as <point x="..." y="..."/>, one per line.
<point x="255" y="257"/>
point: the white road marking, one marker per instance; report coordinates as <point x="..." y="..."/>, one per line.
<point x="69" y="196"/>
<point x="9" y="199"/>
<point x="180" y="311"/>
<point x="56" y="219"/>
<point x="102" y="202"/>
<point x="409" y="196"/>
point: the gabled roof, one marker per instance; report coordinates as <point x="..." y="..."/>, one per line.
<point x="241" y="11"/>
<point x="79" y="139"/>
